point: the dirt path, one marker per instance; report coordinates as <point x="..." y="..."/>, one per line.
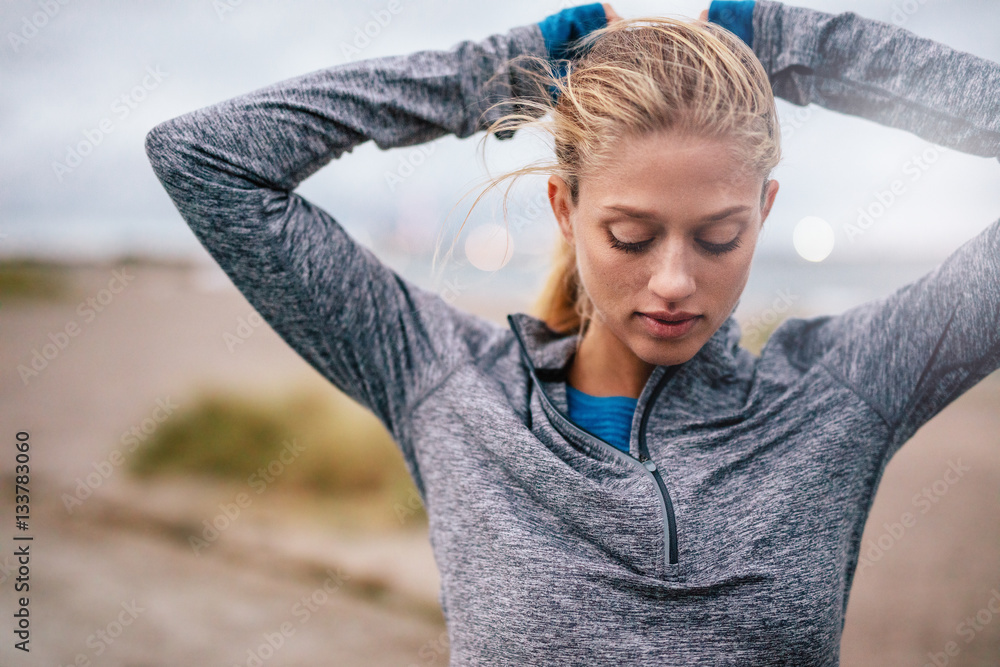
<point x="113" y="586"/>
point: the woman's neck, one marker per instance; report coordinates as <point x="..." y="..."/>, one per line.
<point x="604" y="366"/>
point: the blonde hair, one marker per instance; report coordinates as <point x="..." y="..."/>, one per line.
<point x="637" y="76"/>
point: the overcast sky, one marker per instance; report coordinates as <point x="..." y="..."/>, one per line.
<point x="58" y="82"/>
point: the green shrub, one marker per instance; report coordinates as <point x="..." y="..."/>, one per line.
<point x="29" y="279"/>
<point x="344" y="449"/>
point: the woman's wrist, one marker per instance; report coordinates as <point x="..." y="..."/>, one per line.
<point x="736" y="16"/>
<point x="561" y="29"/>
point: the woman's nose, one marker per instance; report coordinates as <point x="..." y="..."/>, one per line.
<point x="672" y="279"/>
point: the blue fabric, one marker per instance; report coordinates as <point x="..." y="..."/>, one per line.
<point x="735" y="16"/>
<point x="607" y="417"/>
<point x="561" y="29"/>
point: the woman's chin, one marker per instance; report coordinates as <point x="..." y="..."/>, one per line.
<point x="665" y="353"/>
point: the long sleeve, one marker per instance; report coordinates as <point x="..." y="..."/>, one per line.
<point x="912" y="353"/>
<point x="231" y="169"/>
<point x="879" y="71"/>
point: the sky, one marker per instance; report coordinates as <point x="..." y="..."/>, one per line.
<point x="105" y="72"/>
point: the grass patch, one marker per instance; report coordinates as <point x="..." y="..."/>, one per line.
<point x="345" y="450"/>
<point x="30" y="279"/>
<point x="757" y="330"/>
<point x="755" y="339"/>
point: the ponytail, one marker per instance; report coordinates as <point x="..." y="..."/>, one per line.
<point x="563" y="303"/>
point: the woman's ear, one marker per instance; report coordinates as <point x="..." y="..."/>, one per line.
<point x="562" y="206"/>
<point x="769" y="195"/>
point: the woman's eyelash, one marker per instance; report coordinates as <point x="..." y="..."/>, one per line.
<point x="720" y="248"/>
<point x="711" y="248"/>
<point x="628" y="247"/>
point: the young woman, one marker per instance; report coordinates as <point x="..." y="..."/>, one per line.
<point x="617" y="481"/>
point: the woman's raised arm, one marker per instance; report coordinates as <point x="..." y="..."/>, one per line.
<point x="872" y="69"/>
<point x="231" y="169"/>
<point x="912" y="353"/>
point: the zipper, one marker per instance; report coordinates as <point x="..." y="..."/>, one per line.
<point x="650" y="465"/>
<point x="643" y="461"/>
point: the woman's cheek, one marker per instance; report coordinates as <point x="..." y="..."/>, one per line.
<point x="593" y="273"/>
<point x="738" y="271"/>
<point x="605" y="269"/>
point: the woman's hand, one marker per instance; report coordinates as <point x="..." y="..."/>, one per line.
<point x="703" y="16"/>
<point x="610" y="13"/>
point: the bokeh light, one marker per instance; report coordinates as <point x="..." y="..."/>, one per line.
<point x="813" y="238"/>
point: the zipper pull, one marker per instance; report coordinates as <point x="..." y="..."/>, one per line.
<point x="648" y="462"/>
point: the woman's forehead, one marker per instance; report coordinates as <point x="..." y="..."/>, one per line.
<point x="662" y="171"/>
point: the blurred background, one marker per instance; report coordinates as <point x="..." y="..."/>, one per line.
<point x="200" y="495"/>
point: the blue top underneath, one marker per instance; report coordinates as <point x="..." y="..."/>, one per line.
<point x="607" y="417"/>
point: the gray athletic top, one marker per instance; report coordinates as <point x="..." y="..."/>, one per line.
<point x="729" y="534"/>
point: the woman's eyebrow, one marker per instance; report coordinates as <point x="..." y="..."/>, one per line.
<point x="633" y="212"/>
<point x="650" y="215"/>
<point x="726" y="212"/>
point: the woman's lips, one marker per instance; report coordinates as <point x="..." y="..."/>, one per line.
<point x="667" y="316"/>
<point x="661" y="329"/>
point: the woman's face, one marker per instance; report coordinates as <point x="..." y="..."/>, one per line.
<point x="669" y="227"/>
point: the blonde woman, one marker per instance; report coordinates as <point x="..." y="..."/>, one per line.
<point x="613" y="480"/>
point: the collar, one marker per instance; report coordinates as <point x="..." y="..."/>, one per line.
<point x="550" y="352"/>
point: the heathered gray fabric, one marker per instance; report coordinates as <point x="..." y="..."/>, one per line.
<point x="554" y="547"/>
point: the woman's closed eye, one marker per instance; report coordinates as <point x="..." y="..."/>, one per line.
<point x="720" y="248"/>
<point x="628" y="247"/>
<point x="638" y="246"/>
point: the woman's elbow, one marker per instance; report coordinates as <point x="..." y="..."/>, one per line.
<point x="162" y="150"/>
